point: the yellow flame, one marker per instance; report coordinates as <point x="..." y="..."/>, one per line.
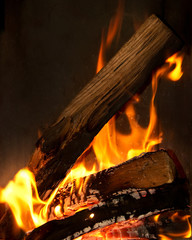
<point x="156" y="217"/>
<point x="22" y="197"/>
<point x="20" y="193"/>
<point x="176" y="60"/>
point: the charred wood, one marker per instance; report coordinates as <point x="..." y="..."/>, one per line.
<point x="168" y="223"/>
<point x="126" y="74"/>
<point x="119" y="207"/>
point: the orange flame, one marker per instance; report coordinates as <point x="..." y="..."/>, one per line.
<point x="113" y="31"/>
<point x="110" y="148"/>
<point x="176" y="218"/>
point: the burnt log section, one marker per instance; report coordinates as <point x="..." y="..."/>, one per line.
<point x="145" y="228"/>
<point x="121" y="206"/>
<point x="125" y="74"/>
<point x="146" y="171"/>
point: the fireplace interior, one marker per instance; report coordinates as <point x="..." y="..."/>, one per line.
<point x="49" y="52"/>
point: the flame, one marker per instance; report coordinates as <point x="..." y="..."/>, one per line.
<point x="113" y="32"/>
<point x="22" y="197"/>
<point x="176" y="218"/>
<point x="177" y="72"/>
<point x="110" y="148"/>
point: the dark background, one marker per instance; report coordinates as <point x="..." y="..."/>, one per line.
<point x="48" y="52"/>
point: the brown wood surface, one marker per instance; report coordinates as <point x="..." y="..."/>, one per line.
<point x="125" y="74"/>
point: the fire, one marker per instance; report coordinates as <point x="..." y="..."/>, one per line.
<point x="177" y="73"/>
<point x="179" y="219"/>
<point x="113" y="32"/>
<point x="110" y="146"/>
<point x="81" y="168"/>
<point x="20" y="193"/>
<point x="22" y="197"/>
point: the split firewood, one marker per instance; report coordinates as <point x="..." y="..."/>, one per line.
<point x="146" y="171"/>
<point x="125" y="75"/>
<point x="123" y="205"/>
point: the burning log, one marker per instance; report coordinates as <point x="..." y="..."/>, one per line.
<point x="121" y="206"/>
<point x="146" y="171"/>
<point x="126" y="74"/>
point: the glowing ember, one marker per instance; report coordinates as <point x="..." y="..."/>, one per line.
<point x="129" y="229"/>
<point x="92" y="215"/>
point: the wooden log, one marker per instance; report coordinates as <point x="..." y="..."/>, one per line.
<point x="146" y="171"/>
<point x="122" y="206"/>
<point x="125" y="74"/>
<point x="157" y="166"/>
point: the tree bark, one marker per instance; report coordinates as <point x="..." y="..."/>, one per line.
<point x="120" y="207"/>
<point x="125" y="74"/>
